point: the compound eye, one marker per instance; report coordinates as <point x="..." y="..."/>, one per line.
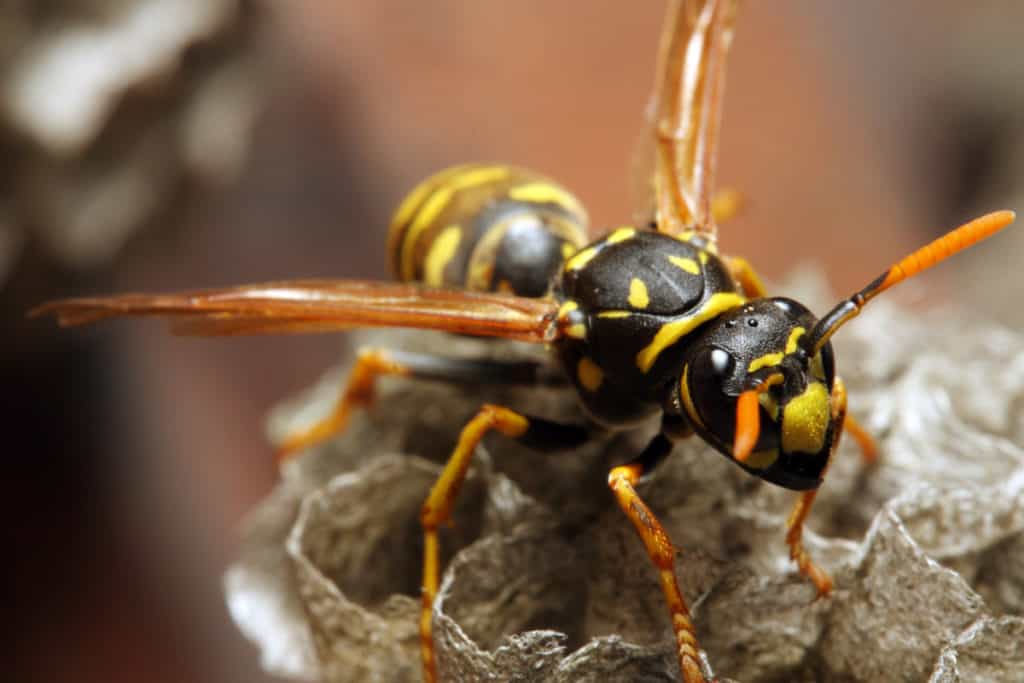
<point x="721" y="363"/>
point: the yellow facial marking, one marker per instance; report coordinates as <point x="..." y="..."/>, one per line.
<point x="589" y="375"/>
<point x="818" y="367"/>
<point x="762" y="460"/>
<point x="794" y="337"/>
<point x="805" y="420"/>
<point x="614" y="314"/>
<point x="770" y="405"/>
<point x="620" y="235"/>
<point x="567" y="308"/>
<point x="770" y="359"/>
<point x="577" y="331"/>
<point x="440" y="255"/>
<point x="703" y="256"/>
<point x="567" y="251"/>
<point x="581" y="259"/>
<point x="670" y="333"/>
<point x="687" y="264"/>
<point x="684" y="393"/>
<point x="767" y="360"/>
<point x="546" y="193"/>
<point x="638" y="294"/>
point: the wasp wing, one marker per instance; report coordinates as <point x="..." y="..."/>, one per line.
<point x="685" y="111"/>
<point x="306" y="306"/>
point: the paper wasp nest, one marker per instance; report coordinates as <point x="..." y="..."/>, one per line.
<point x="545" y="579"/>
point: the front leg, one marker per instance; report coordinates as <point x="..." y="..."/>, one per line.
<point x="795" y="525"/>
<point x="622" y="481"/>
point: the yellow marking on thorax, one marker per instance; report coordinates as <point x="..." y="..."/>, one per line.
<point x="703" y="256"/>
<point x="684" y="393"/>
<point x="805" y="420"/>
<point x="577" y="331"/>
<point x="638" y="297"/>
<point x="686" y="235"/>
<point x="670" y="333"/>
<point x="440" y="255"/>
<point x="589" y="374"/>
<point x="567" y="251"/>
<point x="620" y="235"/>
<point x="436" y="203"/>
<point x="687" y="264"/>
<point x="614" y="314"/>
<point x="581" y="259"/>
<point x="546" y="193"/>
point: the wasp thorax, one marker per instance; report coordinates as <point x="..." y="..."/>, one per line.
<point x="758" y="346"/>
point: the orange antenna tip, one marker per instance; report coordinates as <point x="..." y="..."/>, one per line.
<point x="748" y="425"/>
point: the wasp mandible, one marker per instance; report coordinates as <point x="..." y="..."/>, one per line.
<point x="645" y="321"/>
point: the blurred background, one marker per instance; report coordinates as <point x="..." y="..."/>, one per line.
<point x="167" y="144"/>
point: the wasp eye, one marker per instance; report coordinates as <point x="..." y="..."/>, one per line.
<point x="721" y="362"/>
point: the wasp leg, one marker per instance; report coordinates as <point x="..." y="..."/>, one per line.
<point x="530" y="431"/>
<point x="868" y="447"/>
<point x="371" y="363"/>
<point x="622" y="480"/>
<point x="748" y="278"/>
<point x="795" y="525"/>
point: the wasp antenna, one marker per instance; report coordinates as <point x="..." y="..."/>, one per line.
<point x="924" y="258"/>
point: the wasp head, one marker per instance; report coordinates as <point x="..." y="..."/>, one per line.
<point x="755" y="360"/>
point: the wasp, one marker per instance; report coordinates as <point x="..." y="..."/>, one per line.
<point x="647" y="320"/>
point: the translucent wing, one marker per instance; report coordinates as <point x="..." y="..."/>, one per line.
<point x="306" y="306"/>
<point x="685" y="111"/>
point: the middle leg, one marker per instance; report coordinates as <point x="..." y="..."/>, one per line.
<point x="542" y="435"/>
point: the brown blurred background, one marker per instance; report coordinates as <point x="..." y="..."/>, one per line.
<point x="271" y="140"/>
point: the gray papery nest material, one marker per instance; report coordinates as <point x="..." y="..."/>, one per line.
<point x="547" y="581"/>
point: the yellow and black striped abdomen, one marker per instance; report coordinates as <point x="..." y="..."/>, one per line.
<point x="486" y="227"/>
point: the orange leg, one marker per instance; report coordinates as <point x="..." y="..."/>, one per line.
<point x="868" y="447"/>
<point x="748" y="278"/>
<point x="437" y="509"/>
<point x="795" y="525"/>
<point x="659" y="548"/>
<point x="372" y="363"/>
<point x="358" y="392"/>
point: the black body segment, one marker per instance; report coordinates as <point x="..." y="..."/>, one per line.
<point x="636" y="297"/>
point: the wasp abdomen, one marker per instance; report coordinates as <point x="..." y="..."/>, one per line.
<point x="486" y="227"/>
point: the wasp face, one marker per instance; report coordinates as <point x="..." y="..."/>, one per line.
<point x="757" y="347"/>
